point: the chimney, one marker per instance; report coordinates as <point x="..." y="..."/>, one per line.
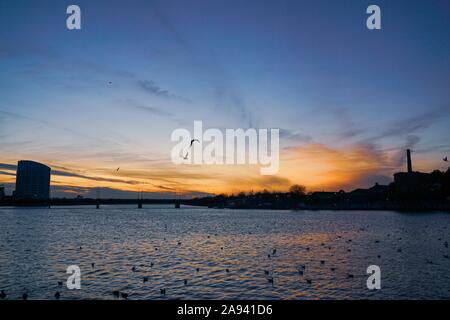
<point x="408" y="156"/>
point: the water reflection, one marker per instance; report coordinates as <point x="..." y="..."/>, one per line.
<point x="197" y="253"/>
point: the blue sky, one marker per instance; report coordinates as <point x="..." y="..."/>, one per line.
<point x="311" y="68"/>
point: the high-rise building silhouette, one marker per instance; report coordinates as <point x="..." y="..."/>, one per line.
<point x="32" y="180"/>
<point x="2" y="192"/>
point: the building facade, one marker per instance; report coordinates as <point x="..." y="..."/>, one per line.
<point x="32" y="181"/>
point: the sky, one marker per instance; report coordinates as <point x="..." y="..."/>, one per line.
<point x="348" y="101"/>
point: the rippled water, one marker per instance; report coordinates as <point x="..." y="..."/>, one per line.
<point x="38" y="244"/>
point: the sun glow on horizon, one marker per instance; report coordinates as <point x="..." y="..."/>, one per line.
<point x="316" y="166"/>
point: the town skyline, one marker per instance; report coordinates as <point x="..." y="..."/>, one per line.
<point x="347" y="100"/>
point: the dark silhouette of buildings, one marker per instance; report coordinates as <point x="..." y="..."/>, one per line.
<point x="410" y="191"/>
<point x="411" y="185"/>
<point x="2" y="192"/>
<point x="32" y="181"/>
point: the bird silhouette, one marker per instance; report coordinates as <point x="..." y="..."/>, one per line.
<point x="194" y="140"/>
<point x="163" y="291"/>
<point x="185" y="157"/>
<point x="2" y="294"/>
<point x="145" y="279"/>
<point x="445" y="159"/>
<point x="124" y="295"/>
<point x="116" y="293"/>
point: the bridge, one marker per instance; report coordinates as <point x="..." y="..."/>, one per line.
<point x="90" y="202"/>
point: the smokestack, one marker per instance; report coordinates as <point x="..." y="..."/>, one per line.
<point x="408" y="156"/>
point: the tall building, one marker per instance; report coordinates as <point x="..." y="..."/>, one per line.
<point x="411" y="183"/>
<point x="32" y="180"/>
<point x="2" y="192"/>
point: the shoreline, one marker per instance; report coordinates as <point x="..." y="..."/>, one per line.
<point x="403" y="207"/>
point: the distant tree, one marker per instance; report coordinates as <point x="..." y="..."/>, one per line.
<point x="297" y="190"/>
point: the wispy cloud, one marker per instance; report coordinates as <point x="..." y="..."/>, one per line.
<point x="151" y="87"/>
<point x="9" y="50"/>
<point x="413" y="124"/>
<point x="227" y="96"/>
<point x="321" y="166"/>
<point x="155" y="111"/>
<point x="295" y="136"/>
<point x="348" y="128"/>
<point x="6" y="166"/>
<point x="56" y="126"/>
<point x="5" y="173"/>
<point x="61" y="173"/>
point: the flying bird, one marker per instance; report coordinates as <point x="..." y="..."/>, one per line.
<point x="445" y="159"/>
<point x="117" y="170"/>
<point x="193" y="140"/>
<point x="184" y="157"/>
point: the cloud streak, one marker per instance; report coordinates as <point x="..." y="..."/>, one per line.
<point x="227" y="96"/>
<point x="413" y="124"/>
<point x="152" y="88"/>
